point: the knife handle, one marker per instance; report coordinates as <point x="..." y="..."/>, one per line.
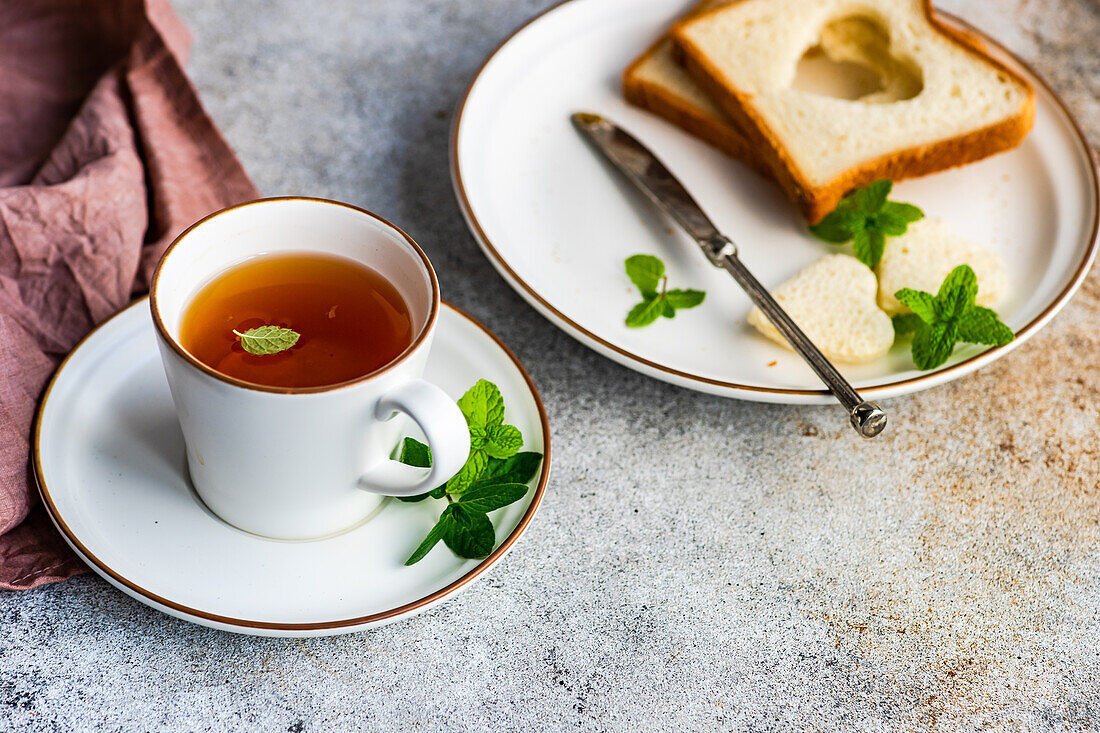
<point x="866" y="417"/>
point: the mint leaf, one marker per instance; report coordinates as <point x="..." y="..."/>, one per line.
<point x="905" y="212"/>
<point x="469" y="472"/>
<point x="869" y="246"/>
<point x="502" y="441"/>
<point x="888" y="224"/>
<point x="982" y="326"/>
<point x="871" y="198"/>
<point x="905" y="324"/>
<point x="492" y="496"/>
<point x="266" y="340"/>
<point x="950" y="316"/>
<point x="921" y="303"/>
<point x="866" y="217"/>
<point x="519" y="469"/>
<point x="645" y="271"/>
<point x="494" y="475"/>
<point x="932" y="345"/>
<point x="482" y="405"/>
<point x="648" y="274"/>
<point x="958" y="291"/>
<point x="435" y="534"/>
<point x="469" y="534"/>
<point x="415" y="453"/>
<point x="685" y="298"/>
<point x="477" y="438"/>
<point x="839" y="225"/>
<point x="852" y="201"/>
<point x="645" y="312"/>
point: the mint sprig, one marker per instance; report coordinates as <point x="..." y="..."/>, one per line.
<point x="866" y="218"/>
<point x="950" y="316"/>
<point x="495" y="475"/>
<point x="648" y="275"/>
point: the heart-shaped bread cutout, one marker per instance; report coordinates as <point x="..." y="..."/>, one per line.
<point x="833" y="302"/>
<point x="852" y="60"/>
<point x="923" y="256"/>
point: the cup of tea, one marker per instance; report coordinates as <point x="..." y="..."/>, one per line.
<point x="293" y="331"/>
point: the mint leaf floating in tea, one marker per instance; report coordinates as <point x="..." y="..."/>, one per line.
<point x="866" y="218"/>
<point x="495" y="475"/>
<point x="648" y="275"/>
<point x="265" y="340"/>
<point x="940" y="321"/>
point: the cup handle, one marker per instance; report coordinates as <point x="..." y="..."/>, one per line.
<point x="445" y="428"/>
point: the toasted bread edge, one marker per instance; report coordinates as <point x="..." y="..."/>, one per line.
<point x="816" y="202"/>
<point x="658" y="100"/>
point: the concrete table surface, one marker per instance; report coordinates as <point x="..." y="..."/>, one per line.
<point x="698" y="563"/>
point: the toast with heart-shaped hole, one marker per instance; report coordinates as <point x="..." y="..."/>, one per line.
<point x="834" y="302"/>
<point x="834" y="94"/>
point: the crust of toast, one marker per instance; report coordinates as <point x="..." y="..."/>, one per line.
<point x="689" y="118"/>
<point x="657" y="99"/>
<point x="817" y="201"/>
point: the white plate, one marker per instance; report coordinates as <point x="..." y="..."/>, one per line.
<point x="109" y="459"/>
<point x="557" y="223"/>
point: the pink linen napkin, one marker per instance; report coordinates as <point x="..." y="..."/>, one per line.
<point x="105" y="155"/>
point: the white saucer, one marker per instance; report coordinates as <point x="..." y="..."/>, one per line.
<point x="109" y="459"/>
<point x="557" y="222"/>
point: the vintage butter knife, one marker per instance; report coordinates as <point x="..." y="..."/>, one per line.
<point x="646" y="172"/>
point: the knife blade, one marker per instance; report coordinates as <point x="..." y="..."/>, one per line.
<point x="640" y="166"/>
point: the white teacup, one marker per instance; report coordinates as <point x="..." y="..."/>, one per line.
<point x="303" y="463"/>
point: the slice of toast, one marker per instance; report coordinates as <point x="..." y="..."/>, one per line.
<point x="940" y="101"/>
<point x="656" y="81"/>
